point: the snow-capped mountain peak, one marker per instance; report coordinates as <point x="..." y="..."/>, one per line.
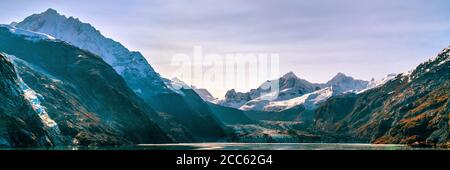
<point x="131" y="65"/>
<point x="290" y="75"/>
<point x="339" y="76"/>
<point x="204" y="94"/>
<point x="293" y="91"/>
<point x="309" y="101"/>
<point x="343" y="83"/>
<point x="375" y="83"/>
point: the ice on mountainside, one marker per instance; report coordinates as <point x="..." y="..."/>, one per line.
<point x="377" y="83"/>
<point x="129" y="64"/>
<point x="176" y="85"/>
<point x="309" y="100"/>
<point x="35" y="101"/>
<point x="30" y="35"/>
<point x="293" y="91"/>
<point x="342" y="83"/>
<point x="443" y="56"/>
<point x="204" y="94"/>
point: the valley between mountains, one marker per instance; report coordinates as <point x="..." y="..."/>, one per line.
<point x="63" y="83"/>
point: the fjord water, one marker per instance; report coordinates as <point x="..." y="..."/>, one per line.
<point x="242" y="146"/>
<point x="277" y="146"/>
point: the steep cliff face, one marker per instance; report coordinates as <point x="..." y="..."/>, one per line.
<point x="412" y="108"/>
<point x="20" y="126"/>
<point x="85" y="99"/>
<point x="138" y="74"/>
<point x="131" y="65"/>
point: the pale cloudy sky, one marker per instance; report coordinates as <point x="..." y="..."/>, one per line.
<point x="315" y="40"/>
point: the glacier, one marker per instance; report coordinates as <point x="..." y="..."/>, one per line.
<point x="293" y="91"/>
<point x="35" y="101"/>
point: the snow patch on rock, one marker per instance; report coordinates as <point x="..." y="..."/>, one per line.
<point x="29" y="35"/>
<point x="309" y="100"/>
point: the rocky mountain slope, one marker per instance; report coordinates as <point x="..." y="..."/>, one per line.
<point x="129" y="64"/>
<point x="63" y="83"/>
<point x="204" y="94"/>
<point x="20" y="125"/>
<point x="342" y="83"/>
<point x="293" y="91"/>
<point x="412" y="108"/>
<point x="79" y="98"/>
<point x="138" y="75"/>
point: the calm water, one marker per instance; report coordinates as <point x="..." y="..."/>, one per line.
<point x="244" y="146"/>
<point x="277" y="146"/>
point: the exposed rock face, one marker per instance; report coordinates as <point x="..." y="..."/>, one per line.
<point x="412" y="108"/>
<point x="204" y="94"/>
<point x="235" y="99"/>
<point x="131" y="65"/>
<point x="293" y="91"/>
<point x="93" y="91"/>
<point x="290" y="86"/>
<point x="138" y="75"/>
<point x="375" y="83"/>
<point x="88" y="101"/>
<point x="20" y="126"/>
<point x="342" y="83"/>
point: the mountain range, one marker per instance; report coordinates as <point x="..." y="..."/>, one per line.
<point x="293" y="91"/>
<point x="73" y="96"/>
<point x="184" y="123"/>
<point x="64" y="83"/>
<point x="412" y="108"/>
